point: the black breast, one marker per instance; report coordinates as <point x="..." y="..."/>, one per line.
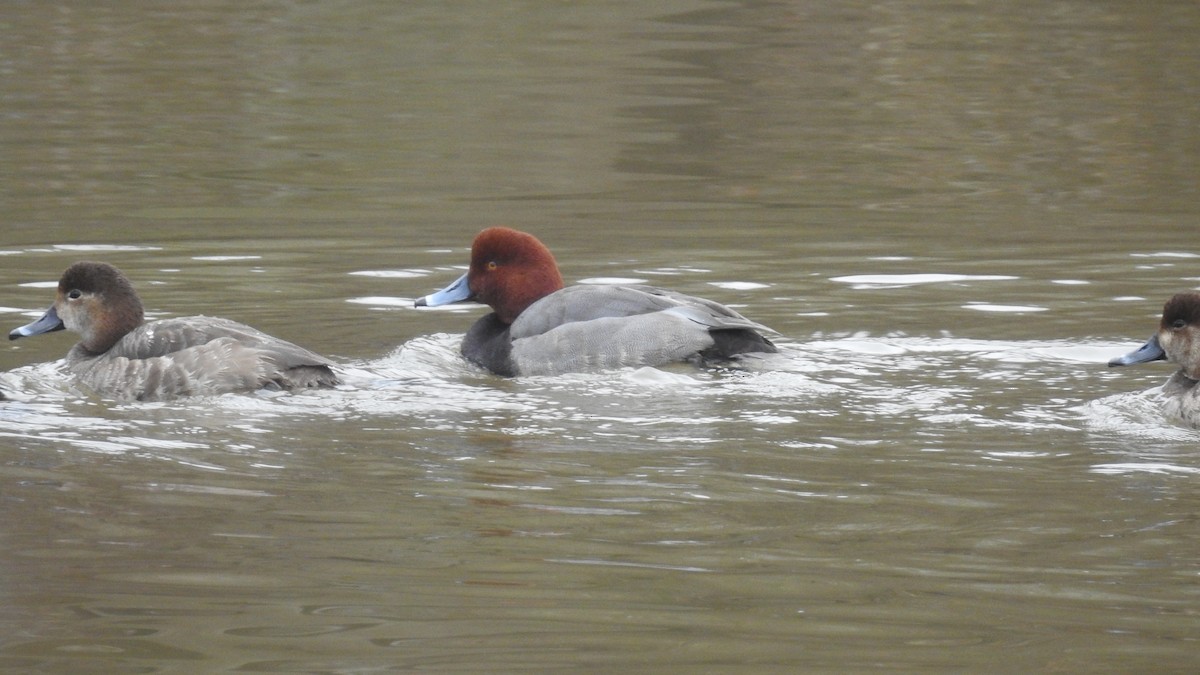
<point x="488" y="344"/>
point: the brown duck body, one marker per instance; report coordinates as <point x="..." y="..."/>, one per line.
<point x="1176" y="341"/>
<point x="196" y="356"/>
<point x="122" y="356"/>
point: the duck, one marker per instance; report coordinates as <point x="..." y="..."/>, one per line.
<point x="539" y="327"/>
<point x="122" y="356"/>
<point x="1178" y="342"/>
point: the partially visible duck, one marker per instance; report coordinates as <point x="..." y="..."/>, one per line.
<point x="537" y="327"/>
<point x="123" y="357"/>
<point x="1177" y="341"/>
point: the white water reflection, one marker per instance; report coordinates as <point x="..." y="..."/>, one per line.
<point x="1160" y="468"/>
<point x="428" y="382"/>
<point x="864" y="281"/>
<point x="100" y="248"/>
<point x="393" y="274"/>
<point x="1006" y="309"/>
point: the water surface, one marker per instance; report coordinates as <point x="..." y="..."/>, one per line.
<point x="953" y="214"/>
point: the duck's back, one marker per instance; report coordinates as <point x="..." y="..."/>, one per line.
<point x="198" y="355"/>
<point x="587" y="302"/>
<point x="588" y="327"/>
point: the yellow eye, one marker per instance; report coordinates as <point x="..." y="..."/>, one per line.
<point x="492" y="265"/>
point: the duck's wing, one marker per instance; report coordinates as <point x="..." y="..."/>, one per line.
<point x="170" y="336"/>
<point x="199" y="355"/>
<point x="584" y="302"/>
<point x="601" y="327"/>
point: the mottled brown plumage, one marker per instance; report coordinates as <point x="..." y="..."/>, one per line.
<point x="121" y="356"/>
<point x="1177" y="341"/>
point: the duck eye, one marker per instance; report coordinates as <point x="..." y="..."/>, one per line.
<point x="492" y="265"/>
<point x="1178" y="323"/>
<point x="75" y="294"/>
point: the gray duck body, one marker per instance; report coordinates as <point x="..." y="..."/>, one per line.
<point x="540" y="327"/>
<point x="197" y="356"/>
<point x="123" y="357"/>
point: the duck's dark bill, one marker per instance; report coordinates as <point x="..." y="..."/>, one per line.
<point x="1151" y="351"/>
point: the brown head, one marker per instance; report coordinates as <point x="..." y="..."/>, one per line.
<point x="511" y="270"/>
<point x="1179" y="332"/>
<point x="95" y="300"/>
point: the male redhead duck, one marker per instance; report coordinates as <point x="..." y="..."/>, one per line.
<point x="1177" y="341"/>
<point x="123" y="357"/>
<point x="537" y="327"/>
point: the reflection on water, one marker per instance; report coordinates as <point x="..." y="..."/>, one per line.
<point x="954" y="216"/>
<point x="610" y="504"/>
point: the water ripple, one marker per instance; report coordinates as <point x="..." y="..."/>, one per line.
<point x="942" y="385"/>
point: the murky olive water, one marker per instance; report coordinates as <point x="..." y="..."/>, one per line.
<point x="954" y="214"/>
